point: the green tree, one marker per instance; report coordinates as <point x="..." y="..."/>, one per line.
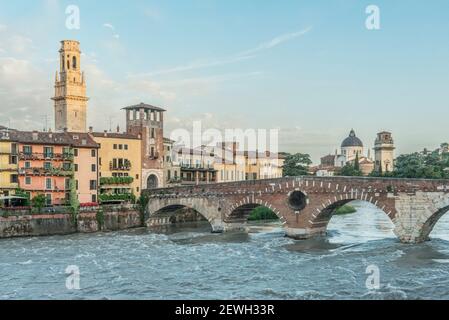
<point x="38" y="202"/>
<point x="349" y="170"/>
<point x="356" y="162"/>
<point x="262" y="213"/>
<point x="296" y="165"/>
<point x="142" y="204"/>
<point x="416" y="165"/>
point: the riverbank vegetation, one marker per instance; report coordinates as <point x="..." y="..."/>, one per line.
<point x="345" y="209"/>
<point x="262" y="213"/>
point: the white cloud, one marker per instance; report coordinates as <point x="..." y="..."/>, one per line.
<point x="276" y="41"/>
<point x="244" y="55"/>
<point x="112" y="28"/>
<point x="109" y="26"/>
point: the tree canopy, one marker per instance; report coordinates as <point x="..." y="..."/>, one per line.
<point x="296" y="165"/>
<point x="417" y="165"/>
<point x="350" y="170"/>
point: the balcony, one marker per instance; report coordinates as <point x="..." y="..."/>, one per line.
<point x="46" y="156"/>
<point x="59" y="172"/>
<point x="125" y="166"/>
<point x="116" y="180"/>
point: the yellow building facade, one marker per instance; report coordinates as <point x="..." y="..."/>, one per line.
<point x="119" y="163"/>
<point x="9" y="180"/>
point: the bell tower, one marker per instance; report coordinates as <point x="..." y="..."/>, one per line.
<point x="384" y="152"/>
<point x="70" y="90"/>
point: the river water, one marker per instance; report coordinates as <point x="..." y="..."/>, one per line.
<point x="190" y="263"/>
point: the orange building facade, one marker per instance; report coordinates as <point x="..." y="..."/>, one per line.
<point x="53" y="164"/>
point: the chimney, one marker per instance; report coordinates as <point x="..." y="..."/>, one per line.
<point x="91" y="129"/>
<point x="118" y="129"/>
<point x="105" y="133"/>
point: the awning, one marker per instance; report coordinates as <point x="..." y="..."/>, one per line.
<point x="12" y="197"/>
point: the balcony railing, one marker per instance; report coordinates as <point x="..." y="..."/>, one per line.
<point x="116" y="180"/>
<point x="45" y="156"/>
<point x="59" y="171"/>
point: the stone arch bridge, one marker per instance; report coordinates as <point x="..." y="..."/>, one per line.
<point x="306" y="204"/>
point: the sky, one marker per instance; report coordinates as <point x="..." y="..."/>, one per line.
<point x="308" y="68"/>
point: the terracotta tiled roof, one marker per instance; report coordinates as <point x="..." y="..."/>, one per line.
<point x="79" y="140"/>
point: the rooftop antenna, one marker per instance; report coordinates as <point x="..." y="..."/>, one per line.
<point x="110" y="123"/>
<point x="45" y="117"/>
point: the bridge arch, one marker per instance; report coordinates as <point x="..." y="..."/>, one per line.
<point x="207" y="208"/>
<point x="321" y="218"/>
<point x="427" y="220"/>
<point x="240" y="211"/>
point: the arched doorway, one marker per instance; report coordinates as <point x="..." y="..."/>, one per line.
<point x="152" y="182"/>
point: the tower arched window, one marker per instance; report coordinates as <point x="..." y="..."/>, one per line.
<point x="74" y="62"/>
<point x="68" y="64"/>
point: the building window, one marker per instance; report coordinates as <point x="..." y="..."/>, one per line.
<point x="67" y="184"/>
<point x="152" y="152"/>
<point x="13" y="159"/>
<point x="126" y="147"/>
<point x="14" y="178"/>
<point x="99" y="161"/>
<point x="27" y="150"/>
<point x="94" y="168"/>
<point x="75" y="152"/>
<point x="137" y="177"/>
<point x="76" y="167"/>
<point x="168" y="175"/>
<point x="47" y="165"/>
<point x="137" y="189"/>
<point x="93" y="184"/>
<point x="93" y="153"/>
<point x="27" y="180"/>
<point x="76" y="184"/>
<point x="74" y="62"/>
<point x="66" y="166"/>
<point x="94" y="198"/>
<point x="48" y="152"/>
<point x="27" y="165"/>
<point x="66" y="151"/>
<point x="153" y="133"/>
<point x="115" y="146"/>
<point x="48" y="199"/>
<point x="13" y="148"/>
<point x="120" y="146"/>
<point x="48" y="184"/>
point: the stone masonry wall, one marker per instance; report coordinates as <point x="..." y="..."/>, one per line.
<point x="61" y="224"/>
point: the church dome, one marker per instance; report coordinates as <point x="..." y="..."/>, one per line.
<point x="352" y="141"/>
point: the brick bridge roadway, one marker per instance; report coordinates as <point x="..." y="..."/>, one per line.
<point x="306" y="204"/>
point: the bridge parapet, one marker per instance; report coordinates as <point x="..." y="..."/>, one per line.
<point x="409" y="203"/>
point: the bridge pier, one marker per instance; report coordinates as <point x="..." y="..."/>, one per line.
<point x="304" y="233"/>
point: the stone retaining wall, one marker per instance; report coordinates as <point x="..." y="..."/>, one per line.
<point x="60" y="224"/>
